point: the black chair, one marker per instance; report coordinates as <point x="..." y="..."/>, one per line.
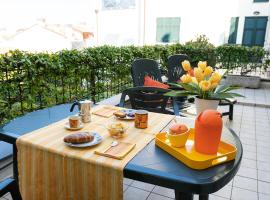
<point x="175" y="70"/>
<point x="152" y="98"/>
<point x="149" y="98"/>
<point x="144" y="67"/>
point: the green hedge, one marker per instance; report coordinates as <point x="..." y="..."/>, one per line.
<point x="30" y="81"/>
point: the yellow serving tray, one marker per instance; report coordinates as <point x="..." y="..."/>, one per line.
<point x="190" y="157"/>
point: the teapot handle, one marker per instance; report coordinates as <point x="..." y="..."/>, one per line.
<point x="73" y="105"/>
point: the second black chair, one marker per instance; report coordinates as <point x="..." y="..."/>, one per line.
<point x="175" y="70"/>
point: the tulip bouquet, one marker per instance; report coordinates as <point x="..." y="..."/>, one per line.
<point x="203" y="83"/>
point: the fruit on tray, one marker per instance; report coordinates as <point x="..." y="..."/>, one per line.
<point x="178" y="135"/>
<point x="177" y="129"/>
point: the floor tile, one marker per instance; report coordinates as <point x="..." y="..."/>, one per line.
<point x="214" y="197"/>
<point x="264" y="187"/>
<point x="224" y="192"/>
<point x="264" y="150"/>
<point x="263" y="165"/>
<point x="245" y="183"/>
<point x="143" y="186"/>
<point x="263" y="157"/>
<point x="8" y="196"/>
<point x="264" y="197"/>
<point x="164" y="191"/>
<point x="135" y="194"/>
<point x="249" y="163"/>
<point x="250" y="155"/>
<point x="128" y="181"/>
<point x="241" y="194"/>
<point x="249" y="148"/>
<point x="154" y="196"/>
<point x="125" y="187"/>
<point x="264" y="176"/>
<point x="247" y="172"/>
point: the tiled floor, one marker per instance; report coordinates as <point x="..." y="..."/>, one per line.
<point x="252" y="124"/>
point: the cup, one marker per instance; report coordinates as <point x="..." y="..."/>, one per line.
<point x="74" y="121"/>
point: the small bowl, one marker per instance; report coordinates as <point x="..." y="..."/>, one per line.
<point x="117" y="131"/>
<point x="178" y="140"/>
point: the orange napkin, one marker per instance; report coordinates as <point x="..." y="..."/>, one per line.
<point x="106" y="111"/>
<point x="118" y="152"/>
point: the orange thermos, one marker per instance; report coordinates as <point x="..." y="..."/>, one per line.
<point x="208" y="129"/>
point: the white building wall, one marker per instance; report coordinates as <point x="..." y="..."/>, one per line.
<point x="246" y="8"/>
<point x="209" y="17"/>
<point x="123" y="27"/>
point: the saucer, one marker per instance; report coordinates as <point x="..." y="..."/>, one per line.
<point x="73" y="129"/>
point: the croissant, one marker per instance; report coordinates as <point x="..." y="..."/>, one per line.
<point x="78" y="138"/>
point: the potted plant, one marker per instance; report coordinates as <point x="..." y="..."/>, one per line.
<point x="203" y="84"/>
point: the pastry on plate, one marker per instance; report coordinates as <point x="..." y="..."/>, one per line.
<point x="120" y="114"/>
<point x="79" y="138"/>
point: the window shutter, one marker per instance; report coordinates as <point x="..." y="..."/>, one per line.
<point x="233" y="30"/>
<point x="167" y="29"/>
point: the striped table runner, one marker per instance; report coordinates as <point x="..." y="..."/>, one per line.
<point x="50" y="170"/>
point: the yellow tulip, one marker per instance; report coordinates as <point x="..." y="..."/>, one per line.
<point x="194" y="80"/>
<point x="208" y="70"/>
<point x="186" y="65"/>
<point x="198" y="73"/>
<point x="202" y="65"/>
<point x="214" y="85"/>
<point x="205" y="85"/>
<point x="215" y="77"/>
<point x="186" y="78"/>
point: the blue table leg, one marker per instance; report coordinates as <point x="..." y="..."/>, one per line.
<point x="182" y="196"/>
<point x="203" y="197"/>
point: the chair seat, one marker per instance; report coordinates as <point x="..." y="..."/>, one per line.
<point x="227" y="102"/>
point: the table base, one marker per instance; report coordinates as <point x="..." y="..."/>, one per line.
<point x="185" y="196"/>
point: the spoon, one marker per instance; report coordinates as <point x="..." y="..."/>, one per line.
<point x="114" y="143"/>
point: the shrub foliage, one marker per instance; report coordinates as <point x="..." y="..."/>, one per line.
<point x="30" y="81"/>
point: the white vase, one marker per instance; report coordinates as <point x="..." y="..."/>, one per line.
<point x="205" y="104"/>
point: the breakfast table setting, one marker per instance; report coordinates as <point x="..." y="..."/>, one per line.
<point x="86" y="154"/>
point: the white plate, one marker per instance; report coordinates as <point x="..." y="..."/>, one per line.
<point x="73" y="129"/>
<point x="127" y="117"/>
<point x="97" y="139"/>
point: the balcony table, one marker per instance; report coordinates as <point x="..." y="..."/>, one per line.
<point x="151" y="165"/>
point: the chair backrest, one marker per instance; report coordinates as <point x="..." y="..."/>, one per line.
<point x="148" y="98"/>
<point x="143" y="67"/>
<point x="175" y="70"/>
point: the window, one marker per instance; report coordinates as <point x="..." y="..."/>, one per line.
<point x="118" y="4"/>
<point x="233" y="30"/>
<point x="260" y="1"/>
<point x="254" y="31"/>
<point x="167" y="29"/>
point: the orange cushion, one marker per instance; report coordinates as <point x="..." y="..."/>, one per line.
<point x="148" y="81"/>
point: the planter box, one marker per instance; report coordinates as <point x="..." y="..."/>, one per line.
<point x="243" y="81"/>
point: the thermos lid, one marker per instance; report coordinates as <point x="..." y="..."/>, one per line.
<point x="86" y="101"/>
<point x="141" y="112"/>
<point x="209" y="118"/>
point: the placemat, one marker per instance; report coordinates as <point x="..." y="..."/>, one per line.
<point x="118" y="152"/>
<point x="48" y="169"/>
<point x="106" y="111"/>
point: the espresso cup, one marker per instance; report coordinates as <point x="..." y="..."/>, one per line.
<point x="74" y="121"/>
